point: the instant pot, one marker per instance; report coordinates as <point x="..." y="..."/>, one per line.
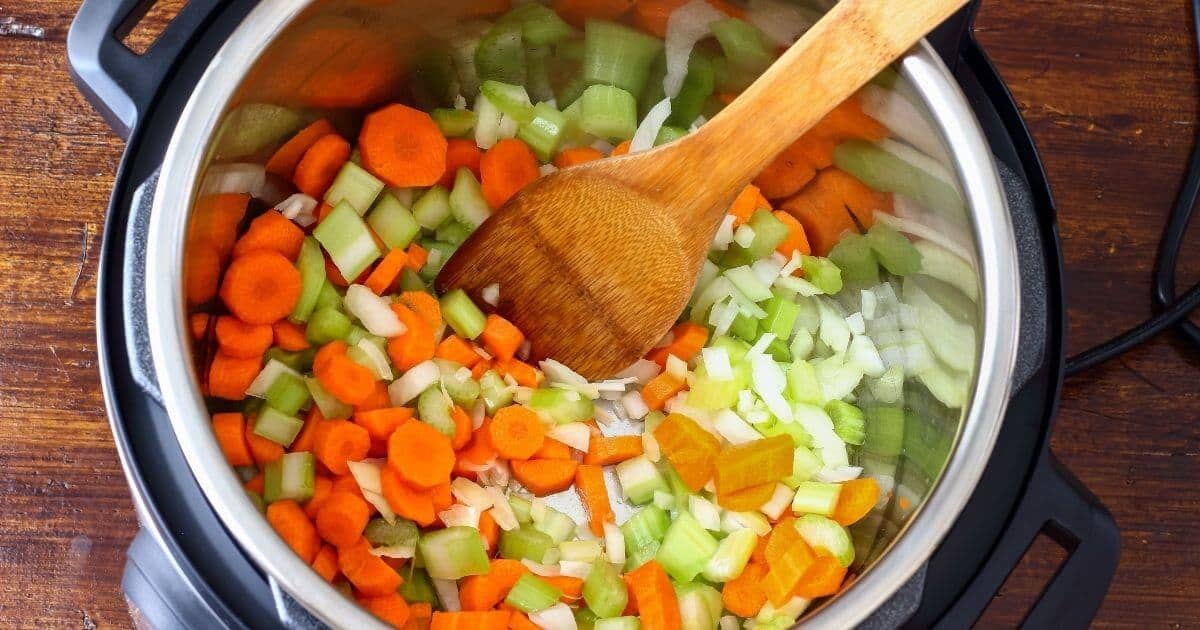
<point x="204" y="558"/>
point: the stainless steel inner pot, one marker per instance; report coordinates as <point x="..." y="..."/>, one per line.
<point x="260" y="61"/>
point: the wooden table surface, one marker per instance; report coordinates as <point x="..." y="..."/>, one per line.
<point x="1108" y="87"/>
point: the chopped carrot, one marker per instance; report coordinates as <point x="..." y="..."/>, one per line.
<point x="322" y="490"/>
<point x="553" y="449"/>
<point x="593" y="493"/>
<point x="744" y="595"/>
<point x="460" y="153"/>
<point x="621" y="149"/>
<point x="578" y="11"/>
<point x="747" y="201"/>
<point x="421" y="455"/>
<point x="660" y="389"/>
<point x="229" y="377"/>
<point x="786" y="569"/>
<point x="377" y="399"/>
<point x="505" y="169"/>
<point x="480" y="369"/>
<point x="570" y="587"/>
<point x="230" y="430"/>
<point x="347" y="483"/>
<point x="238" y="339"/>
<point x="368" y="573"/>
<point x="289" y="521"/>
<point x="848" y="121"/>
<point x="485" y="592"/>
<point x="822" y="579"/>
<point x="386" y="271"/>
<point x="781" y="537"/>
<point x="342" y="518"/>
<point x="657" y="605"/>
<point x="256" y="484"/>
<point x="796" y="240"/>
<point x="390" y="607"/>
<point x="271" y="231"/>
<point x="320" y="165"/>
<point x="760" y="549"/>
<point x="326" y="353"/>
<point x="687" y="341"/>
<point x="215" y="221"/>
<point x="747" y="499"/>
<point x="741" y="466"/>
<point x="576" y="155"/>
<point x="816" y="148"/>
<point x="462" y="427"/>
<point x="833" y="204"/>
<point x="651" y="16"/>
<point x="326" y="563"/>
<point x="338" y="442"/>
<point x="516" y="432"/>
<point x="526" y="375"/>
<point x="691" y="450"/>
<point x="490" y="530"/>
<point x="478" y="452"/>
<point x="416" y="257"/>
<point x="348" y="381"/>
<point x="501" y="338"/>
<point x="545" y="476"/>
<point x="263" y="450"/>
<point x="605" y="451"/>
<point x="424" y="305"/>
<point x="201" y="273"/>
<point x="790" y="171"/>
<point x="420" y="615"/>
<point x="261" y="287"/>
<point x="518" y="621"/>
<point x="198" y="324"/>
<point x="442" y="496"/>
<point x="380" y="423"/>
<point x="331" y="270"/>
<point x="403" y="146"/>
<point x="855" y="499"/>
<point x="470" y="620"/>
<point x="416" y="345"/>
<point x="283" y="162"/>
<point x="456" y="349"/>
<point x="289" y="336"/>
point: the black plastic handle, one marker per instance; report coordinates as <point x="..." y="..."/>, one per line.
<point x="118" y="82"/>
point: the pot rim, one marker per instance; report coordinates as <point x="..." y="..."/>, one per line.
<point x="995" y="251"/>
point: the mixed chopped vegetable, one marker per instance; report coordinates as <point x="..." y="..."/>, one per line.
<point x="403" y="444"/>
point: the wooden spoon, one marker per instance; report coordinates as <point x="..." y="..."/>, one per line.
<point x="596" y="262"/>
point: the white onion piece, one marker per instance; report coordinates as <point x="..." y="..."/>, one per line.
<point x="546" y="169"/>
<point x="780" y="501"/>
<point x="791" y="265"/>
<point x="604" y="413"/>
<point x="558" y="373"/>
<point x="921" y="230"/>
<point x="734" y="429"/>
<point x="650" y="447"/>
<point x="577" y="435"/>
<point x="470" y="493"/>
<point x="497" y="474"/>
<point x="447" y="591"/>
<point x="544" y="570"/>
<point x="838" y="474"/>
<point x="687" y="25"/>
<point x="299" y="208"/>
<point x="744" y="235"/>
<point x="647" y="132"/>
<point x="705" y="512"/>
<point x="856" y="323"/>
<point x="483" y="353"/>
<point x="635" y="406"/>
<point x="238" y="177"/>
<point x="724" y="235"/>
<point x="366" y="475"/>
<point x="373" y="311"/>
<point x="478" y="413"/>
<point x="602" y="146"/>
<point x="394" y="551"/>
<point x="379" y="362"/>
<point x="729" y="622"/>
<point x="556" y="617"/>
<point x="782" y="22"/>
<point x="676" y="367"/>
<point x="903" y="119"/>
<point x="574" y="568"/>
<point x="459" y="515"/>
<point x="502" y="511"/>
<point x="614" y="543"/>
<point x="641" y="371"/>
<point x="491" y="293"/>
<point x="716" y="363"/>
<point x="413" y="382"/>
<point x="271" y="371"/>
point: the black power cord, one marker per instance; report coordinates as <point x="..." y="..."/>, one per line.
<point x="1173" y="311"/>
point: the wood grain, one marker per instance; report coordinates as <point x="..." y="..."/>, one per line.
<point x="1109" y="88"/>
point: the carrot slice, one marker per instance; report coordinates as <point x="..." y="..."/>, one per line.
<point x="215" y="221"/>
<point x="271" y="231"/>
<point x="747" y="201"/>
<point x="651" y="590"/>
<point x="456" y="349"/>
<point x="320" y="165"/>
<point x="823" y="578"/>
<point x="855" y="499"/>
<point x="380" y="423"/>
<point x="553" y="449"/>
<point x="198" y="324"/>
<point x="289" y="521"/>
<point x="420" y="616"/>
<point x="544" y="476"/>
<point x="796" y="240"/>
<point x="741" y="466"/>
<point x="263" y="450"/>
<point x="421" y="455"/>
<point x="230" y="430"/>
<point x="605" y="451"/>
<point x="229" y="377"/>
<point x="256" y="484"/>
<point x="490" y="530"/>
<point x="506" y="168"/>
<point x="747" y="499"/>
<point x="326" y="353"/>
<point x="338" y="442"/>
<point x="386" y="271"/>
<point x="239" y="339"/>
<point x="201" y="273"/>
<point x="326" y="563"/>
<point x="283" y="162"/>
<point x="593" y="493"/>
<point x="368" y="573"/>
<point x="289" y="336"/>
<point x="406" y="501"/>
<point x="687" y="341"/>
<point x="485" y="592"/>
<point x="478" y="452"/>
<point x="342" y="518"/>
<point x="660" y="389"/>
<point x="416" y="345"/>
<point x="470" y="620"/>
<point x="501" y="338"/>
<point x="460" y="153"/>
<point x="416" y="257"/>
<point x="790" y="171"/>
<point x="833" y="204"/>
<point x="403" y="146"/>
<point x="744" y="595"/>
<point x="526" y="375"/>
<point x="462" y="427"/>
<point x="322" y="490"/>
<point x="348" y="381"/>
<point x="261" y="287"/>
<point x="621" y="149"/>
<point x="516" y="432"/>
<point x="570" y="587"/>
<point x="424" y="305"/>
<point x="576" y="155"/>
<point x="691" y="450"/>
<point x="390" y="607"/>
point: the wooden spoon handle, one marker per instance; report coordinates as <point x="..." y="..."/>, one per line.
<point x="849" y="46"/>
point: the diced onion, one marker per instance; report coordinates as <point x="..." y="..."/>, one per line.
<point x="635" y="406"/>
<point x="544" y="570"/>
<point x="716" y="364"/>
<point x="602" y="146"/>
<point x="271" y="371"/>
<point x="558" y="373"/>
<point x="238" y="177"/>
<point x="722" y="316"/>
<point x="778" y="502"/>
<point x="491" y="293"/>
<point x="379" y="361"/>
<point x="707" y="514"/>
<point x="744" y="235"/>
<point x="676" y="367"/>
<point x="856" y="323"/>
<point x="863" y="354"/>
<point x="838" y="474"/>
<point x="459" y="515"/>
<point x="546" y="169"/>
<point x="733" y="521"/>
<point x="556" y="617"/>
<point x="366" y="475"/>
<point x="782" y="22"/>
<point x="478" y="414"/>
<point x="614" y="543"/>
<point x="577" y="435"/>
<point x="299" y="208"/>
<point x="574" y="568"/>
<point x="447" y="591"/>
<point x="502" y="511"/>
<point x="650" y="447"/>
<point x="470" y="493"/>
<point x="394" y="551"/>
<point x="724" y="235"/>
<point x="413" y="382"/>
<point x="760" y="346"/>
<point x="483" y="353"/>
<point x="729" y="622"/>
<point x="647" y="132"/>
<point x="733" y="428"/>
<point x="793" y="263"/>
<point x="869" y="304"/>
<point x="604" y="412"/>
<point x="767" y="270"/>
<point x="641" y="371"/>
<point x="686" y="26"/>
<point x="496" y="474"/>
<point x="373" y="311"/>
<point x="902" y="118"/>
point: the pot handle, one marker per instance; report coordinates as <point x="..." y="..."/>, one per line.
<point x="118" y="82"/>
<point x="1057" y="504"/>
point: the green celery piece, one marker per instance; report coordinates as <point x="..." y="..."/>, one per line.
<point x="439" y="253"/>
<point x="822" y="272"/>
<point x="395" y="224"/>
<point x="562" y="406"/>
<point x="500" y="55"/>
<point x="799" y="436"/>
<point x="568" y="91"/>
<point x="854" y="256"/>
<point x="537" y="81"/>
<point x="417" y="587"/>
<point x="608" y="112"/>
<point x="679" y="489"/>
<point x="654" y="93"/>
<point x="802" y="383"/>
<point x="697" y="86"/>
<point x="410" y="281"/>
<point x="885" y="171"/>
<point x="327" y="324"/>
<point x="277" y="426"/>
<point x="728" y="78"/>
<point x="769" y="232"/>
<point x="329" y="297"/>
<point x="814" y="497"/>
<point x="643" y="533"/>
<point x="348" y="240"/>
<point x="459" y="385"/>
<point x="781" y="316"/>
<point x="355" y="186"/>
<point x="532" y="594"/>
<point x="462" y="315"/>
<point x="467" y="204"/>
<point x="743" y="44"/>
<point x="711" y="394"/>
<point x="848" y="421"/>
<point x="618" y="623"/>
<point x="884" y="431"/>
<point x="746" y="281"/>
<point x="287" y="394"/>
<point x="253" y="127"/>
<point x="617" y="55"/>
<point x="454" y="123"/>
<point x="292" y="476"/>
<point x="521" y="508"/>
<point x="331" y="407"/>
<point x="432" y="208"/>
<point x="585" y="619"/>
<point x="745" y="328"/>
<point x="540" y="25"/>
<point x="558" y="526"/>
<point x="525" y="543"/>
<point x="668" y="134"/>
<point x="301" y="361"/>
<point x="495" y="392"/>
<point x="778" y="349"/>
<point x="400" y="533"/>
<point x="640" y="479"/>
<point x="463" y="42"/>
<point x="734" y="348"/>
<point x="311" y="264"/>
<point x="454" y="552"/>
<point x="731" y="557"/>
<point x="603" y="591"/>
<point x="512" y="100"/>
<point x="545" y="132"/>
<point x="735" y="256"/>
<point x="699" y="606"/>
<point x="433" y="408"/>
<point x="827" y="537"/>
<point x="434" y="80"/>
<point x="686" y="549"/>
<point x="895" y="252"/>
<point x="805" y="464"/>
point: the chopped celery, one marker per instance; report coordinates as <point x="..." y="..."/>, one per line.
<point x="679" y="489"/>
<point x="769" y="232"/>
<point x="532" y="594"/>
<point x="799" y="436"/>
<point x="643" y="533"/>
<point x="277" y="426"/>
<point x="896" y="253"/>
<point x="653" y="93"/>
<point x="604" y="591"/>
<point x="805" y="464"/>
<point x="699" y="606"/>
<point x="697" y="86"/>
<point x="668" y="134"/>
<point x="462" y="315"/>
<point x="585" y="619"/>
<point x="617" y="55"/>
<point x="452" y="232"/>
<point x="432" y="208"/>
<point x="803" y="385"/>
<point x="411" y="281"/>
<point x="825" y="535"/>
<point x="454" y="123"/>
<point x="301" y="361"/>
<point x="781" y="316"/>
<point x="525" y="543"/>
<point x="744" y="327"/>
<point x="394" y="224"/>
<point x="400" y="533"/>
<point x="454" y="552"/>
<point x="433" y="407"/>
<point x="823" y="273"/>
<point x="743" y="45"/>
<point x="537" y="80"/>
<point x="885" y="171"/>
<point x="467" y="204"/>
<point x="433" y="81"/>
<point x="540" y="25"/>
<point x="439" y="253"/>
<point x="748" y="283"/>
<point x="500" y="55"/>
<point x="417" y="587"/>
<point x="463" y="41"/>
<point x="355" y="186"/>
<point x="292" y="476"/>
<point x="329" y="297"/>
<point x="287" y="394"/>
<point x="348" y="240"/>
<point x="712" y="394"/>
<point x="580" y="550"/>
<point x="311" y="264"/>
<point x="608" y="112"/>
<point x="686" y="548"/>
<point x="814" y="497"/>
<point x="544" y="132"/>
<point x="330" y="407"/>
<point x="567" y="92"/>
<point x="731" y="557"/>
<point x="327" y="324"/>
<point x="854" y="256"/>
<point x="512" y="100"/>
<point x="260" y="504"/>
<point x="884" y="431"/>
<point x="495" y="392"/>
<point x="562" y="406"/>
<point x="848" y="421"/>
<point x="457" y="381"/>
<point x="735" y="256"/>
<point x="555" y="524"/>
<point x="640" y="479"/>
<point x="618" y="623"/>
<point x="521" y="508"/>
<point x="252" y="127"/>
<point x="728" y="78"/>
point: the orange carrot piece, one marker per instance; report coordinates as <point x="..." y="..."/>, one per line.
<point x="408" y="502"/>
<point x="760" y="549"/>
<point x="787" y="570"/>
<point x="463" y="427"/>
<point x="470" y="620"/>
<point x="416" y="256"/>
<point x="403" y="146"/>
<point x="744" y="595"/>
<point x="283" y="162"/>
<point x="553" y="449"/>
<point x="687" y="341"/>
<point x="386" y="271"/>
<point x="480" y="369"/>
<point x="501" y="338"/>
<point x="691" y="450"/>
<point x="261" y="287"/>
<point x="424" y="305"/>
<point x="796" y="240"/>
<point x="485" y="592"/>
<point x="271" y="231"/>
<point x="456" y="349"/>
<point x="289" y="521"/>
<point x="460" y="153"/>
<point x="238" y="339"/>
<point x="576" y="155"/>
<point x="516" y="432"/>
<point x="201" y="273"/>
<point x="526" y="375"/>
<point x="342" y="518"/>
<point x="198" y="325"/>
<point x="518" y="621"/>
<point x="391" y="608"/>
<point x="660" y="389"/>
<point x="605" y="451"/>
<point x="747" y="201"/>
<point x="338" y="442"/>
<point x="848" y="121"/>
<point x="621" y="149"/>
<point x="228" y="377"/>
<point x="322" y="490"/>
<point x="654" y="597"/>
<point x="326" y="563"/>
<point x="416" y="345"/>
<point x="578" y="11"/>
<point x="289" y="336"/>
<point x="593" y="493"/>
<point x="348" y="381"/>
<point x="215" y="222"/>
<point x="477" y="452"/>
<point x="346" y="483"/>
<point x="570" y="587"/>
<point x="545" y="476"/>
<point x="747" y="499"/>
<point x="380" y="423"/>
<point x="782" y="537"/>
<point x="741" y="466"/>
<point x="420" y="615"/>
<point x="855" y="500"/>
<point x="230" y="431"/>
<point x="368" y="573"/>
<point x="790" y="171"/>
<point x="263" y="450"/>
<point x="506" y="168"/>
<point x="830" y="206"/>
<point x="490" y="530"/>
<point x="822" y="579"/>
<point x="320" y="165"/>
<point x="377" y="399"/>
<point x="421" y="455"/>
<point x="256" y="484"/>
